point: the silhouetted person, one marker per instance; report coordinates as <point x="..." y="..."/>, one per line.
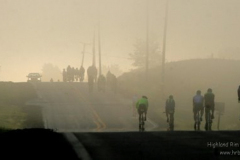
<point x="82" y="72"/>
<point x="170" y="109"/>
<point x="69" y="72"/>
<point x="92" y="71"/>
<point x="209" y="99"/>
<point x="72" y="73"/>
<point x="198" y="100"/>
<point x="142" y="103"/>
<point x="76" y="74"/>
<point x="64" y="74"/>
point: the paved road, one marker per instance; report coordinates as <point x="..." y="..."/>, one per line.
<point x="223" y="145"/>
<point x="100" y="126"/>
<point x="69" y="107"/>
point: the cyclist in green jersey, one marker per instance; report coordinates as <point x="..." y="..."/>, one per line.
<point x="142" y="103"/>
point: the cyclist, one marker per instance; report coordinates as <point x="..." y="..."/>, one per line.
<point x="170" y="109"/>
<point x="209" y="99"/>
<point x="142" y="103"/>
<point x="198" y="100"/>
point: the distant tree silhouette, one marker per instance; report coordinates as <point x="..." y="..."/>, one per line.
<point x="50" y="71"/>
<point x="139" y="54"/>
<point x="114" y="68"/>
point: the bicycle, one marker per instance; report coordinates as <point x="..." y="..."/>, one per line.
<point x="171" y="121"/>
<point x="197" y="122"/>
<point x="141" y="119"/>
<point x="208" y="125"/>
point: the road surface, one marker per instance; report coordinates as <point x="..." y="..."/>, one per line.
<point x="100" y="126"/>
<point x="69" y="107"/>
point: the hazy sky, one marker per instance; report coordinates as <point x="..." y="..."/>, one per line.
<point x="34" y="32"/>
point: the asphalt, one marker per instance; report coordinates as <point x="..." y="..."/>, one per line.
<point x="48" y="144"/>
<point x="35" y="144"/>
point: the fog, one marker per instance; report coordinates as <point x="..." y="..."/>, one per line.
<point x="33" y="33"/>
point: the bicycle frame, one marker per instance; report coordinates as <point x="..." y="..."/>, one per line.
<point x="197" y="121"/>
<point x="208" y="125"/>
<point x="141" y="121"/>
<point x="171" y="121"/>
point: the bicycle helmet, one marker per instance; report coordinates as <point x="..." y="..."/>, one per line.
<point x="144" y="97"/>
<point x="209" y="90"/>
<point x="198" y="92"/>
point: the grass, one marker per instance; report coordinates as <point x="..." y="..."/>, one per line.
<point x="14" y="114"/>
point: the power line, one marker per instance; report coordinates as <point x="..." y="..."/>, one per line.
<point x="106" y="55"/>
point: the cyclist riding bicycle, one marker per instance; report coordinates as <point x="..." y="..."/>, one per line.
<point x="170" y="109"/>
<point x="209" y="99"/>
<point x="142" y="103"/>
<point x="198" y="100"/>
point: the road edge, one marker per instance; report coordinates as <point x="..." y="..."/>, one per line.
<point x="77" y="146"/>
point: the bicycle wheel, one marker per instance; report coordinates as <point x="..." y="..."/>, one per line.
<point x="141" y="122"/>
<point x="171" y="122"/>
<point x="208" y="126"/>
<point x="198" y="122"/>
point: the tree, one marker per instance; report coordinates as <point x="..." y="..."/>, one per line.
<point x="139" y="54"/>
<point x="51" y="72"/>
<point x="114" y="68"/>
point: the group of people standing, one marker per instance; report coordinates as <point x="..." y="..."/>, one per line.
<point x="110" y="80"/>
<point x="71" y="74"/>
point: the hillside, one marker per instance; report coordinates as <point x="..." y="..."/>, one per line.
<point x="182" y="80"/>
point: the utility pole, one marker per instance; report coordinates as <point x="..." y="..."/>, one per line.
<point x="83" y="51"/>
<point x="164" y="52"/>
<point x="99" y="49"/>
<point x="147" y="38"/>
<point x="94" y="58"/>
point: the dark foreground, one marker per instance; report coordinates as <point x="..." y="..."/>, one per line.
<point x="47" y="144"/>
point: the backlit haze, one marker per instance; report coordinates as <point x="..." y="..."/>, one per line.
<point x="35" y="32"/>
